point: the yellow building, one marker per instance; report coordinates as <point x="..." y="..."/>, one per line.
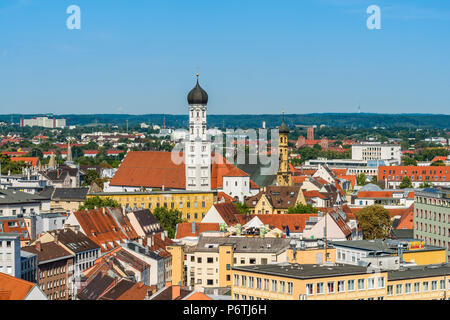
<point x="284" y="174"/>
<point x="177" y="252"/>
<point x="338" y="282"/>
<point x="275" y="199"/>
<point x="311" y="255"/>
<point x="192" y="205"/>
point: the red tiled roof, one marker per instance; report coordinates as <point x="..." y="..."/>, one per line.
<point x="151" y="169"/>
<point x="298" y="179"/>
<point x="100" y="226"/>
<point x="375" y="194"/>
<point x="33" y="161"/>
<point x="227" y="211"/>
<point x="314" y="194"/>
<point x="184" y="229"/>
<point x="439" y="158"/>
<point x="15" y="153"/>
<point x="407" y="219"/>
<point x="12" y="288"/>
<point x="225" y="197"/>
<point x="295" y="222"/>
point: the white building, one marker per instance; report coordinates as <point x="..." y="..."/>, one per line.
<point x="43" y="122"/>
<point x="198" y="148"/>
<point x="376" y="151"/>
<point x="10" y="254"/>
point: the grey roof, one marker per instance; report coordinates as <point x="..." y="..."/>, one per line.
<point x="244" y="244"/>
<point x="254" y="171"/>
<point x="14" y="196"/>
<point x="387" y="246"/>
<point x="140" y="249"/>
<point x="47" y="192"/>
<point x="197" y="95"/>
<point x="304" y="271"/>
<point x="75" y="241"/>
<point x="402" y="233"/>
<point x="70" y="194"/>
<point x="370" y="187"/>
<point x="419" y="272"/>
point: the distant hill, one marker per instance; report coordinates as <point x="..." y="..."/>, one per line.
<point x="343" y="120"/>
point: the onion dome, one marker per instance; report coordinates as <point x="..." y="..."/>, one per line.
<point x="283" y="128"/>
<point x="197" y="95"/>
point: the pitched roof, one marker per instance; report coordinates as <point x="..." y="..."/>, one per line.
<point x="106" y="227"/>
<point x="150" y="169"/>
<point x="280" y="197"/>
<point x="222" y="196"/>
<point x="50" y="251"/>
<point x="33" y="161"/>
<point x="96" y="287"/>
<point x="168" y="293"/>
<point x="227" y="211"/>
<point x="77" y="194"/>
<point x="12" y="288"/>
<point x="128" y="290"/>
<point x="184" y="229"/>
<point x="75" y="241"/>
<point x="295" y="222"/>
<point x="407" y="219"/>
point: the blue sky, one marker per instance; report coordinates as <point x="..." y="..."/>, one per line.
<point x="254" y="56"/>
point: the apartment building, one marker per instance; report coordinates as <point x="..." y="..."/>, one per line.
<point x="376" y="152"/>
<point x="192" y="205"/>
<point x="292" y="281"/>
<point x="19" y="204"/>
<point x="209" y="263"/>
<point x="55" y="268"/>
<point x="10" y="254"/>
<point x="432" y="217"/>
<point x="392" y="176"/>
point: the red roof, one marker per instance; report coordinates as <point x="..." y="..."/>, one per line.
<point x="90" y="151"/>
<point x="407" y="219"/>
<point x="439" y="158"/>
<point x="15" y="153"/>
<point x="33" y="161"/>
<point x="415" y="173"/>
<point x="12" y="288"/>
<point x="314" y="194"/>
<point x="223" y="196"/>
<point x="100" y="226"/>
<point x="227" y="211"/>
<point x="184" y="229"/>
<point x="151" y="169"/>
<point x="295" y="222"/>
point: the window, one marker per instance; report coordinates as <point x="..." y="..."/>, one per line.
<point x="425" y="286"/>
<point x="380" y="282"/>
<point x="390" y="290"/>
<point x="274" y="285"/>
<point x="319" y="287"/>
<point x="434" y="285"/>
<point x="236" y="280"/>
<point x="290" y="287"/>
<point x="309" y="289"/>
<point x="417" y="287"/>
<point x="330" y="287"/>
<point x="351" y="285"/>
<point x="258" y="283"/>
<point x="361" y="284"/>
<point x="341" y="286"/>
<point x="251" y="282"/>
<point x="266" y="284"/>
<point x="209" y="260"/>
<point x="244" y="281"/>
<point x="408" y="288"/>
<point x="399" y="289"/>
<point x="282" y="286"/>
<point x="442" y="284"/>
<point x="371" y="283"/>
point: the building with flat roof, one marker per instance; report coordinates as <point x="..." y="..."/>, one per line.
<point x="291" y="281"/>
<point x="432" y="217"/>
<point x="10" y="254"/>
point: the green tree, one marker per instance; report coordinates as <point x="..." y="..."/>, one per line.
<point x="375" y="222"/>
<point x="242" y="207"/>
<point x="301" y="208"/>
<point x="406" y="183"/>
<point x="361" y="179"/>
<point x="438" y="163"/>
<point x="91" y="176"/>
<point x="408" y="161"/>
<point x="168" y="219"/>
<point x="424" y="185"/>
<point x="97" y="203"/>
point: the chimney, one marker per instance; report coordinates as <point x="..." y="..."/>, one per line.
<point x="38" y="246"/>
<point x="176" y="292"/>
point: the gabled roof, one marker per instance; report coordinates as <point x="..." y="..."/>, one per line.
<point x="67" y="194"/>
<point x="33" y="161"/>
<point x="128" y="290"/>
<point x="74" y="241"/>
<point x="50" y="251"/>
<point x="295" y="222"/>
<point x="184" y="229"/>
<point x="106" y="227"/>
<point x="12" y="288"/>
<point x="407" y="219"/>
<point x="96" y="287"/>
<point x="280" y="197"/>
<point x="151" y="169"/>
<point x="227" y="211"/>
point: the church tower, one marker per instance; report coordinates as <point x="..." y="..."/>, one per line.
<point x="284" y="174"/>
<point x="197" y="149"/>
